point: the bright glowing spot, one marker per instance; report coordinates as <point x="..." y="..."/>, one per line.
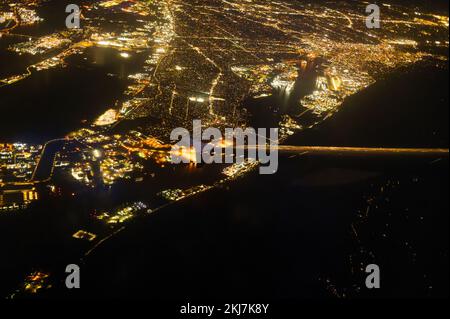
<point x="97" y="153"/>
<point x="188" y="154"/>
<point x="108" y="118"/>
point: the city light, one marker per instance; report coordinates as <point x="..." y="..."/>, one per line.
<point x="89" y="153"/>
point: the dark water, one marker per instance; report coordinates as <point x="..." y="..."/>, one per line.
<point x="62" y="103"/>
<point x="282" y="237"/>
<point x="275" y="237"/>
<point x="54" y="17"/>
<point x="408" y="109"/>
<point x="51" y="103"/>
<point x="266" y="237"/>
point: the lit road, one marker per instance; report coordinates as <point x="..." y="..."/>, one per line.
<point x="329" y="150"/>
<point x="345" y="151"/>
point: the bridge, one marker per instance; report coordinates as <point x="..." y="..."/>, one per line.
<point x="367" y="151"/>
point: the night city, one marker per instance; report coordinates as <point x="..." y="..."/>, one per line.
<point x="224" y="157"/>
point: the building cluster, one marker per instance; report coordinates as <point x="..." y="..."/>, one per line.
<point x="18" y="12"/>
<point x="288" y="126"/>
<point x="237" y="170"/>
<point x="17" y="162"/>
<point x="132" y="104"/>
<point x="134" y="7"/>
<point x="285" y="81"/>
<point x="114" y="168"/>
<point x="42" y="45"/>
<point x="107" y="118"/>
<point x="106" y="159"/>
<point x="33" y="284"/>
<point x="139" y="82"/>
<point x="83" y="172"/>
<point x="124" y="214"/>
<point x="36" y="281"/>
<point x="17" y="197"/>
<point x="258" y="76"/>
<point x="125" y="41"/>
<point x="174" y="195"/>
<point x="27" y="16"/>
<point x="350" y="68"/>
<point x="6" y="17"/>
<point x="102" y="159"/>
<point x="198" y="59"/>
<point x="84" y="235"/>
